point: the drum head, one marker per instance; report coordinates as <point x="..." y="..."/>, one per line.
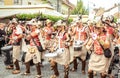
<point x="6" y="48"/>
<point x="78" y="43"/>
<point x="50" y="55"/>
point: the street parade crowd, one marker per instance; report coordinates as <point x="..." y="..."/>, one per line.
<point x="63" y="44"/>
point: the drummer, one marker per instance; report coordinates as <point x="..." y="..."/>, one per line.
<point x="2" y="36"/>
<point x="32" y="52"/>
<point x="47" y="32"/>
<point x="98" y="62"/>
<point x="80" y="34"/>
<point x="7" y="53"/>
<point x="15" y="40"/>
<point x="64" y="57"/>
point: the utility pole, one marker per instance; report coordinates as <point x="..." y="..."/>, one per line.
<point x="58" y="6"/>
<point x="119" y="10"/>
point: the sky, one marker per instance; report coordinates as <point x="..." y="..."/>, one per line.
<point x="97" y="3"/>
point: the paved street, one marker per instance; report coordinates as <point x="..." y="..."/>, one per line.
<point x="46" y="72"/>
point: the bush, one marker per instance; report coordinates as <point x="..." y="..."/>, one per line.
<point x="30" y="16"/>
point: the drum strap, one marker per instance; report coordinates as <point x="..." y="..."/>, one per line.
<point x="38" y="47"/>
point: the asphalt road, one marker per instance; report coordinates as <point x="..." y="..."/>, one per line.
<point x="46" y="72"/>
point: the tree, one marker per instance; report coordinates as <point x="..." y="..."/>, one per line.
<point x="80" y="9"/>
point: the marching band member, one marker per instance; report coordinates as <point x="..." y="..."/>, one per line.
<point x="64" y="54"/>
<point x="80" y="34"/>
<point x="110" y="30"/>
<point x="48" y="31"/>
<point x="15" y="40"/>
<point x="2" y="36"/>
<point x="98" y="62"/>
<point x="33" y="52"/>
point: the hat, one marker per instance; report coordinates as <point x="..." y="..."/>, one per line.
<point x="48" y="21"/>
<point x="73" y="24"/>
<point x="78" y="21"/>
<point x="33" y="20"/>
<point x="35" y="24"/>
<point x="14" y="20"/>
<point x="60" y="23"/>
<point x="29" y="23"/>
<point x="99" y="24"/>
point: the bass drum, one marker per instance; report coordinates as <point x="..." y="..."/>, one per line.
<point x="7" y="48"/>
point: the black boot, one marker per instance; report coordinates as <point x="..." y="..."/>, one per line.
<point x="38" y="69"/>
<point x="90" y="74"/>
<point x="66" y="70"/>
<point x="54" y="68"/>
<point x="17" y="65"/>
<point x="27" y="67"/>
<point x="74" y="65"/>
<point x="83" y="67"/>
<point x="102" y="75"/>
<point x="17" y="70"/>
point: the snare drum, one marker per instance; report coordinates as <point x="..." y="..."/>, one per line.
<point x="55" y="54"/>
<point x="78" y="45"/>
<point x="7" y="48"/>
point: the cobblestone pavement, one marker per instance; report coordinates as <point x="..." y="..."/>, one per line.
<point x="46" y="72"/>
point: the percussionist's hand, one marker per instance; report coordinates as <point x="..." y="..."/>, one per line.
<point x="28" y="37"/>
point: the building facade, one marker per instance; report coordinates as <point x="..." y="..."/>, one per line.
<point x="61" y="6"/>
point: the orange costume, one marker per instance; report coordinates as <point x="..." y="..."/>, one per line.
<point x="97" y="48"/>
<point x="48" y="32"/>
<point x="80" y="34"/>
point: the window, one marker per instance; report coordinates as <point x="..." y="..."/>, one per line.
<point x="18" y="2"/>
<point x="1" y="2"/>
<point x="29" y="3"/>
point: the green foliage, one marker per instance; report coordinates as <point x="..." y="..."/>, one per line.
<point x="26" y="16"/>
<point x="80" y="9"/>
<point x="30" y="16"/>
<point x="115" y="19"/>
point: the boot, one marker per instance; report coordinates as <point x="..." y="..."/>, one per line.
<point x="102" y="75"/>
<point x="17" y="70"/>
<point x="27" y="72"/>
<point x="27" y="67"/>
<point x="74" y="65"/>
<point x="54" y="68"/>
<point x="83" y="67"/>
<point x="90" y="74"/>
<point x="17" y="65"/>
<point x="66" y="70"/>
<point x="38" y="69"/>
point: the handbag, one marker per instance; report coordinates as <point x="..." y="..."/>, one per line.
<point x="107" y="51"/>
<point x="40" y="48"/>
<point x="116" y="55"/>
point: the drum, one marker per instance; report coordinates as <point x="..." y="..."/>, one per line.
<point x="78" y="45"/>
<point x="2" y="38"/>
<point x="7" y="48"/>
<point x="8" y="57"/>
<point x="55" y="54"/>
<point x="50" y="55"/>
